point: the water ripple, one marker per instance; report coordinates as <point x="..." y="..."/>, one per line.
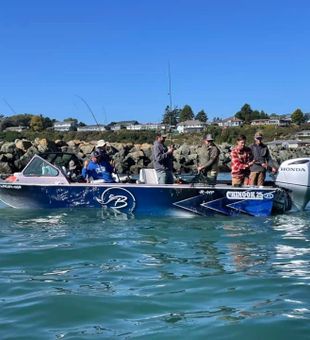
<point x="66" y="275"/>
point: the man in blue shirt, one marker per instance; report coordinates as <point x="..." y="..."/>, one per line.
<point x="97" y="169"/>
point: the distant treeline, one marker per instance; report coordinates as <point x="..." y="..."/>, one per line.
<point x="221" y="135"/>
<point x="171" y="116"/>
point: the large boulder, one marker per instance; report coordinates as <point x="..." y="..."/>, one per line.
<point x="45" y="145"/>
<point x="8" y="147"/>
<point x="22" y="161"/>
<point x="184" y="149"/>
<point x="86" y="148"/>
<point x="5" y="168"/>
<point x="59" y="143"/>
<point x="23" y="144"/>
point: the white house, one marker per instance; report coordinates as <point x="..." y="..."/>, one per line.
<point x="191" y="126"/>
<point x="271" y="121"/>
<point x="288" y="144"/>
<point x="64" y="126"/>
<point x="92" y="128"/>
<point x="17" y="128"/>
<point x="147" y="126"/>
<point x="230" y="122"/>
<point x="303" y="134"/>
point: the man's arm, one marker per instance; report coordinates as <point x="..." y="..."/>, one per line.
<point x="215" y="152"/>
<point x="159" y="154"/>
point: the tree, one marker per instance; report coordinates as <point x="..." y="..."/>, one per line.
<point x="201" y="116"/>
<point x="263" y="115"/>
<point x="47" y="122"/>
<point x="186" y="113"/>
<point x="37" y="123"/>
<point x="298" y="117"/>
<point x="171" y="117"/>
<point x="74" y="120"/>
<point x="245" y="113"/>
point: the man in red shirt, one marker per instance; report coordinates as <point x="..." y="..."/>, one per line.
<point x="241" y="161"/>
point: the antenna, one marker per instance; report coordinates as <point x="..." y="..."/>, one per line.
<point x="11" y="108"/>
<point x="90" y="110"/>
<point x="170" y="90"/>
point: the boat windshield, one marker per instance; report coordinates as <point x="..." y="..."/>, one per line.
<point x="39" y="167"/>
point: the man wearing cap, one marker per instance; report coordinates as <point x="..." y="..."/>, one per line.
<point x="163" y="160"/>
<point x="97" y="169"/>
<point x="208" y="171"/>
<point x="262" y="160"/>
<point x="101" y="149"/>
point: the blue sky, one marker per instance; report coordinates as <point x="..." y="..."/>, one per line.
<point x="115" y="55"/>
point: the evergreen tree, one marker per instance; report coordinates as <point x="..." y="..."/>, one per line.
<point x="186" y="113"/>
<point x="201" y="116"/>
<point x="298" y="117"/>
<point x="245" y="113"/>
<point x="171" y="117"/>
<point x="263" y="115"/>
<point x="47" y="122"/>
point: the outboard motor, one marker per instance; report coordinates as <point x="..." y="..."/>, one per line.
<point x="294" y="176"/>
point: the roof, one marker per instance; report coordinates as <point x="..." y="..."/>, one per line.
<point x="234" y="119"/>
<point x="191" y="122"/>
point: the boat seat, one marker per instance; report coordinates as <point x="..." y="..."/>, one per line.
<point x="148" y="176"/>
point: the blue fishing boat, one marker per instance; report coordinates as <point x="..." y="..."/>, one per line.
<point x="44" y="184"/>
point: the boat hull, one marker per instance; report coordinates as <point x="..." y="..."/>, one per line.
<point x="145" y="200"/>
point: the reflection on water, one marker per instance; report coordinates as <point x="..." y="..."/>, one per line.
<point x="89" y="273"/>
<point x="294" y="226"/>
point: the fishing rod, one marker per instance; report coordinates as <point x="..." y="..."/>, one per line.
<point x="11" y="108"/>
<point x="90" y="110"/>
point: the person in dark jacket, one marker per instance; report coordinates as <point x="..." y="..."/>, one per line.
<point x="208" y="170"/>
<point x="262" y="161"/>
<point x="163" y="160"/>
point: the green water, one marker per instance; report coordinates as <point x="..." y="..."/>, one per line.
<point x="81" y="275"/>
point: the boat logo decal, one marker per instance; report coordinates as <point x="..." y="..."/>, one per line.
<point x="268" y="195"/>
<point x="245" y="195"/>
<point x="118" y="198"/>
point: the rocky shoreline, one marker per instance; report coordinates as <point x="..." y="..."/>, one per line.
<point x="129" y="157"/>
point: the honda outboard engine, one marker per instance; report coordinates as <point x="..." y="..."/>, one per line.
<point x="294" y="176"/>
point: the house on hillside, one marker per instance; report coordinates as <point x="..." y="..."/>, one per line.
<point x="65" y="126"/>
<point x="288" y="144"/>
<point x="94" y="128"/>
<point x="230" y="122"/>
<point x="147" y="126"/>
<point x="303" y="134"/>
<point x="191" y="126"/>
<point x="116" y="126"/>
<point x="271" y="122"/>
<point x="17" y="128"/>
